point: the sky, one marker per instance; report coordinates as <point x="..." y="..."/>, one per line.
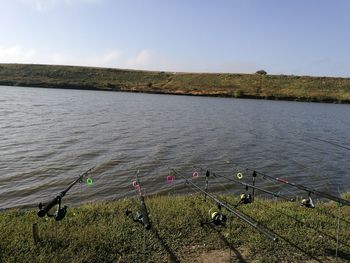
<point x="300" y="37"/>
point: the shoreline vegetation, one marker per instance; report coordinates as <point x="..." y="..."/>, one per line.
<point x="259" y="85"/>
<point x="100" y="232"/>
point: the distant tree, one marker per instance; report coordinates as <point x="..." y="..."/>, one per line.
<point x="261" y="72"/>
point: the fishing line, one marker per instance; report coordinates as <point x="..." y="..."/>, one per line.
<point x="151" y="181"/>
<point x="154" y="180"/>
<point x="127" y="193"/>
<point x="308" y="200"/>
<point x="329" y="142"/>
<point x="310" y="146"/>
<point x="208" y="175"/>
<point x="313" y="138"/>
<point x="171" y="181"/>
<point x="226" y="190"/>
<point x="308" y="168"/>
<point x="332" y="143"/>
<point x="184" y="181"/>
<point x="219" y="178"/>
<point x="222" y="185"/>
<point x="317" y="175"/>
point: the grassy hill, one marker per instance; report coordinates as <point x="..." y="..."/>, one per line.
<point x="282" y="87"/>
<point x="101" y="232"/>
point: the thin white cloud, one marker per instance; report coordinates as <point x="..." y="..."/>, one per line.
<point x="109" y="58"/>
<point x="58" y="58"/>
<point x="141" y="60"/>
<point x="144" y="60"/>
<point x="17" y="54"/>
<point x="42" y="5"/>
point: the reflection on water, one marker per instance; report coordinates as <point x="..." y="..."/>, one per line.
<point x="50" y="136"/>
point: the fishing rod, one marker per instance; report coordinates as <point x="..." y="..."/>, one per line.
<point x="306" y="202"/>
<point x="254" y="187"/>
<point x="60" y="212"/>
<point x="248" y="198"/>
<point x="235" y="212"/>
<point x="142" y="215"/>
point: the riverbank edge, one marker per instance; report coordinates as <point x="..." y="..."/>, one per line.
<point x="228" y="85"/>
<point x="218" y="95"/>
<point x="101" y="232"/>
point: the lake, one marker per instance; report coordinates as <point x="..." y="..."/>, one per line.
<point x="50" y="136"/>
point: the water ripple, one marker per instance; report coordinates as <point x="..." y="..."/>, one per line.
<point x="48" y="137"/>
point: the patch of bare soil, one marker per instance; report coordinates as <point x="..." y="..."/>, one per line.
<point x="217" y="256"/>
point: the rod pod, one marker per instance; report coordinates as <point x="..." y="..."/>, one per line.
<point x="304" y="188"/>
<point x="232" y="210"/>
<point x="247" y="186"/>
<point x="253" y="189"/>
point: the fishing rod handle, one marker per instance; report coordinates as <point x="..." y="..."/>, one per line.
<point x="46" y="208"/>
<point x="144" y="213"/>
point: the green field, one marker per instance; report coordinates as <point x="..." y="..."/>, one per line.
<point x="100" y="232"/>
<point x="278" y="87"/>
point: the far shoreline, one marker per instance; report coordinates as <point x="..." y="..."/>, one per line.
<point x="270" y="98"/>
<point x="259" y="85"/>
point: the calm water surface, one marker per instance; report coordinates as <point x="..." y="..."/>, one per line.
<point x="49" y="136"/>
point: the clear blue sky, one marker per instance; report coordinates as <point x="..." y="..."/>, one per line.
<point x="301" y="37"/>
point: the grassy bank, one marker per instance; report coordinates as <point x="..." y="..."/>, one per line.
<point x="279" y="87"/>
<point x="101" y="233"/>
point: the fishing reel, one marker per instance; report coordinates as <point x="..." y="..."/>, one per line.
<point x="216" y="216"/>
<point x="138" y="218"/>
<point x="60" y="212"/>
<point x="245" y="199"/>
<point x="307" y="202"/>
